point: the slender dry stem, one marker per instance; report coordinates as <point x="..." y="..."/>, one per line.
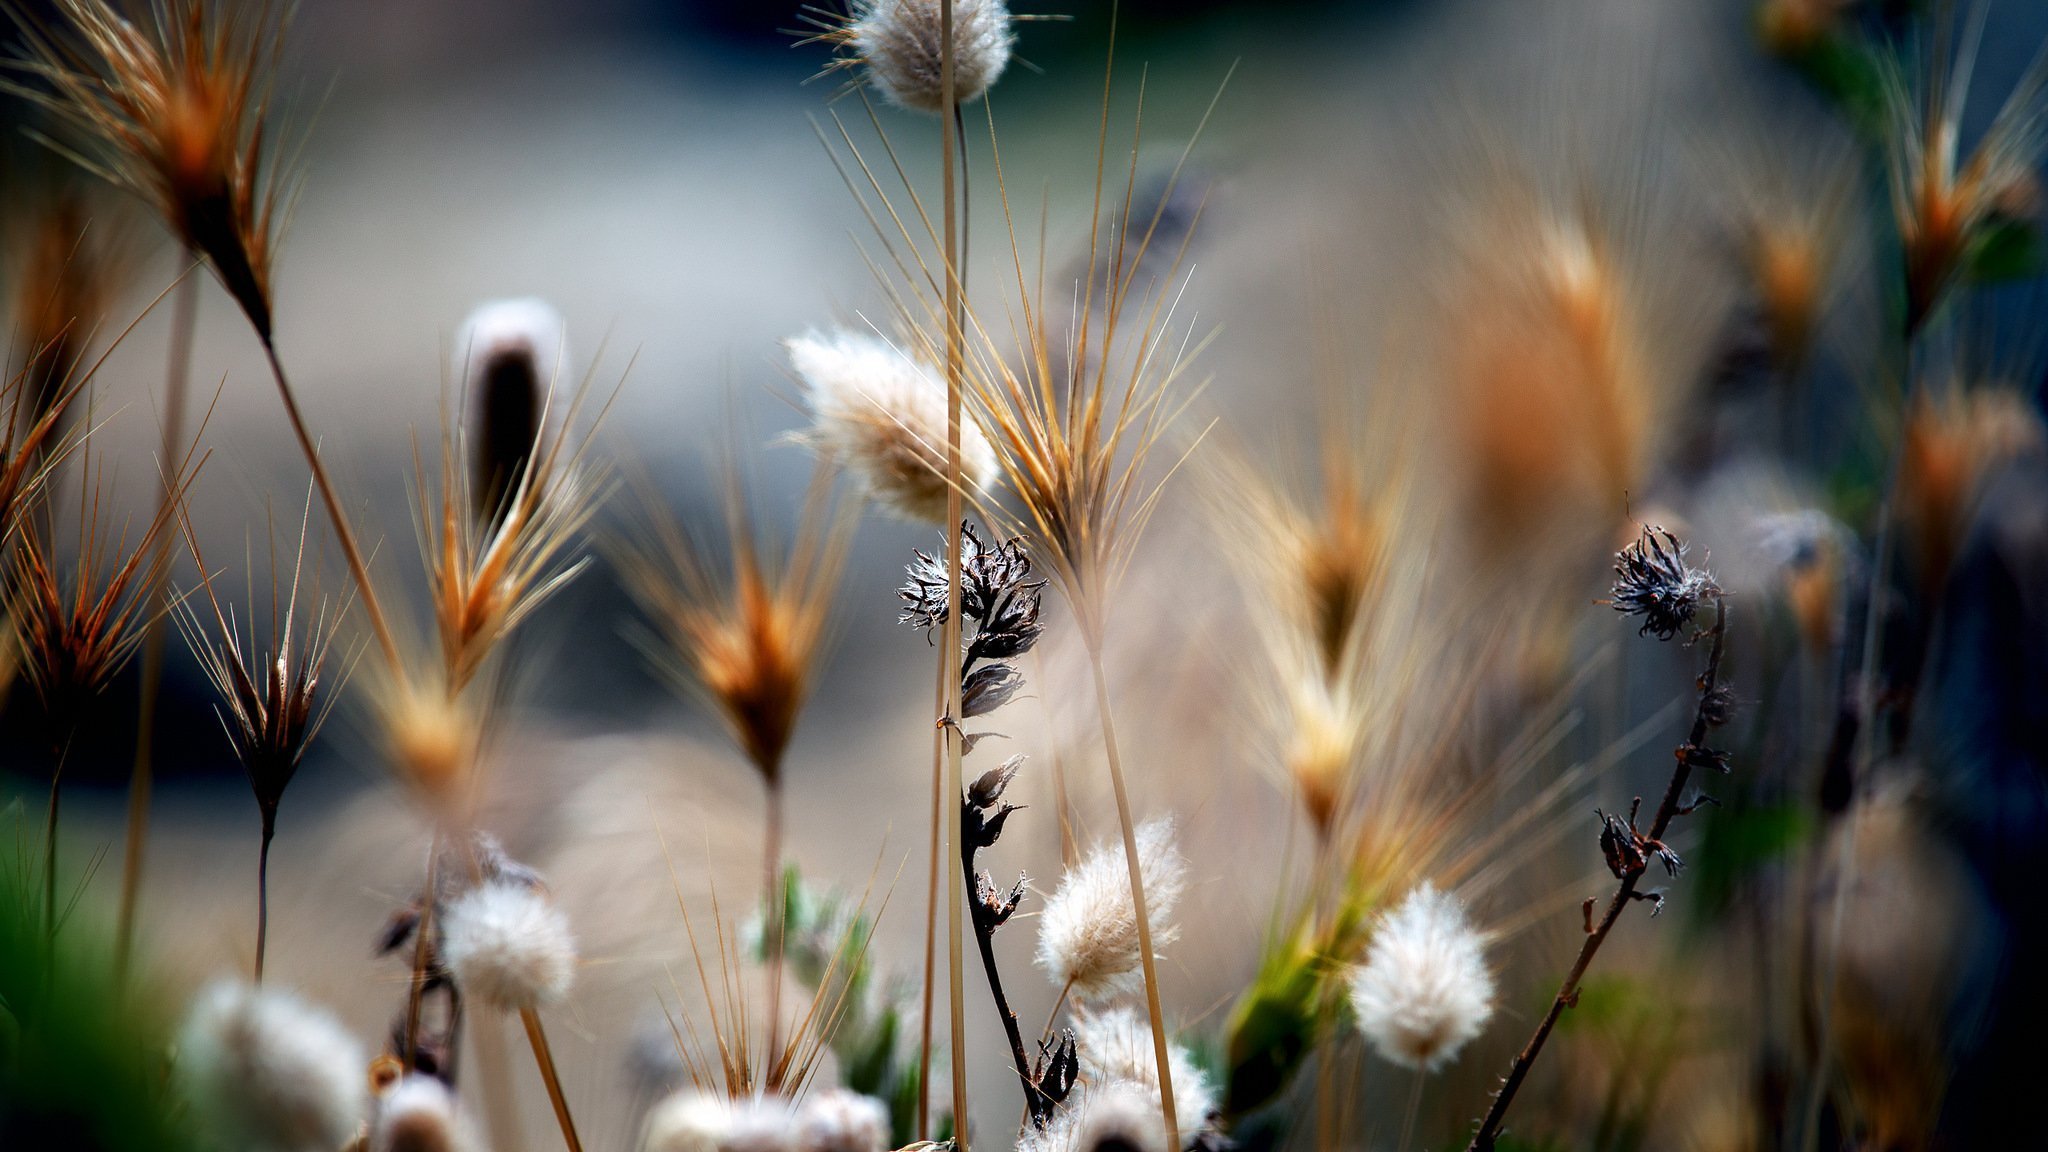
<point x="1148" y="964"/>
<point x="1568" y="992"/>
<point x="177" y="374"/>
<point x="358" y="569"/>
<point x="544" y="1058"/>
<point x="263" y="889"/>
<point x="949" y="647"/>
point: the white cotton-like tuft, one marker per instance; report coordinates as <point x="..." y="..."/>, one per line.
<point x="882" y="413"/>
<point x="1423" y="992"/>
<point x="527" y="328"/>
<point x="265" y="1071"/>
<point x="1088" y="933"/>
<point x="899" y="41"/>
<point x="508" y="945"/>
<point x="419" y="1115"/>
<point x="697" y="1121"/>
<point x="842" y="1121"/>
<point x="1115" y="1046"/>
<point x="1112" y="1114"/>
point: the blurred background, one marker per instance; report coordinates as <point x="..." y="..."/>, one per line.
<point x="655" y="171"/>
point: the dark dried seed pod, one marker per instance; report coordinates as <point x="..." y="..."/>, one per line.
<point x="988" y="688"/>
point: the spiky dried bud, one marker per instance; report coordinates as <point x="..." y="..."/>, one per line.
<point x="997" y="907"/>
<point x="1652" y="580"/>
<point x="900" y="43"/>
<point x="1115" y="1046"/>
<point x="882" y="413"/>
<point x="988" y="688"/>
<point x="419" y="1115"/>
<point x="842" y="1121"/>
<point x="1088" y="934"/>
<point x="508" y="945"/>
<point x="263" y="1069"/>
<point x="988" y="789"/>
<point x="990" y="575"/>
<point x="1423" y="992"/>
<point x="507" y="355"/>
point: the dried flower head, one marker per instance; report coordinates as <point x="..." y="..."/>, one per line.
<point x="76" y="634"/>
<point x="1423" y="992"/>
<point x="271" y="710"/>
<point x="1088" y="933"/>
<point x="508" y="355"/>
<point x="508" y="945"/>
<point x="1115" y="1045"/>
<point x="748" y="639"/>
<point x="1652" y="580"/>
<point x="882" y="414"/>
<point x="1946" y="203"/>
<point x="262" y="1069"/>
<point x="418" y="1114"/>
<point x="841" y="1121"/>
<point x="898" y="45"/>
<point x="174" y="108"/>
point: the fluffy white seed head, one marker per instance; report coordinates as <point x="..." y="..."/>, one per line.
<point x="524" y="327"/>
<point x="1088" y="934"/>
<point x="694" y="1120"/>
<point x="899" y="41"/>
<point x="1423" y="992"/>
<point x="266" y="1071"/>
<point x="1115" y="1046"/>
<point x="842" y="1121"/>
<point x="882" y="413"/>
<point x="419" y="1115"/>
<point x="1107" y="1115"/>
<point x="508" y="945"/>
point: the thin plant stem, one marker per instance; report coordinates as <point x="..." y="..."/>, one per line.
<point x="1092" y="634"/>
<point x="424" y="932"/>
<point x="931" y="905"/>
<point x="263" y="889"/>
<point x="141" y="777"/>
<point x="1053" y="1016"/>
<point x="544" y="1059"/>
<point x="1568" y="992"/>
<point x="63" y="753"/>
<point x="1036" y="1104"/>
<point x="949" y="648"/>
<point x="771" y="863"/>
<point x="358" y="569"/>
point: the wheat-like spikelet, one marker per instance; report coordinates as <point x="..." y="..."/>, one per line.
<point x="175" y="107"/>
<point x="881" y="413"/>
<point x="493" y="557"/>
<point x="1945" y="202"/>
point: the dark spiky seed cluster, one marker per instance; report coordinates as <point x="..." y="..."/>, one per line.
<point x="1652" y="580"/>
<point x="998" y="599"/>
